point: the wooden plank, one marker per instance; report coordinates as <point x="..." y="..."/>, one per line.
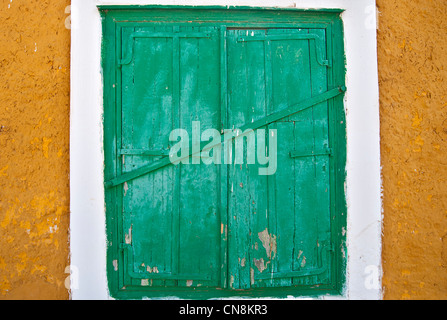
<point x="272" y="231"/>
<point x="223" y="172"/>
<point x="149" y="197"/>
<point x="322" y="169"/>
<point x="114" y="255"/>
<point x="125" y="126"/>
<point x="237" y="102"/>
<point x="199" y="222"/>
<point x="233" y="16"/>
<point x="246" y="104"/>
<point x="176" y="123"/>
<point x="338" y="129"/>
<point x="119" y="50"/>
<point x="291" y="82"/>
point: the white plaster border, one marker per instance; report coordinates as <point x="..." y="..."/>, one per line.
<point x="363" y="185"/>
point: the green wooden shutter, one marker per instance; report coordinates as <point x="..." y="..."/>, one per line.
<point x="197" y="230"/>
<point x="286" y="215"/>
<point x="170" y="78"/>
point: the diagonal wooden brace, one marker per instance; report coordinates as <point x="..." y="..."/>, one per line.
<point x="253" y="126"/>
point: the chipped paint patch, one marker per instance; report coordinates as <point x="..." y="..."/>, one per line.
<point x="128" y="236"/>
<point x="303" y="262"/>
<point x="125" y="187"/>
<point x="260" y="264"/>
<point x="268" y="242"/>
<point x="152" y="270"/>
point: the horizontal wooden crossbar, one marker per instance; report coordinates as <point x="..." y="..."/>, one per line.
<point x="155" y="275"/>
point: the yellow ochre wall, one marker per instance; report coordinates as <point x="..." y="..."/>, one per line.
<point x="412" y="49"/>
<point x="34" y="148"/>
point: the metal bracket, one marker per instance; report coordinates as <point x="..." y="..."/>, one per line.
<point x="277" y="37"/>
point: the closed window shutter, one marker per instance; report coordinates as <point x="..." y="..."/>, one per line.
<point x="197" y="228"/>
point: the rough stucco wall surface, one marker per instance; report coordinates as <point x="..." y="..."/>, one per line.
<point x="412" y="49"/>
<point x="34" y="144"/>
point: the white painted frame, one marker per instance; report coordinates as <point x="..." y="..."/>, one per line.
<point x="363" y="184"/>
